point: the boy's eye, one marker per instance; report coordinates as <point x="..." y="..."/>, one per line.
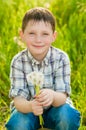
<point x="31" y="33"/>
<point x="45" y="34"/>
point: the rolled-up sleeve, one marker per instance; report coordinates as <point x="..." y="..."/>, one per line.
<point x="62" y="74"/>
<point x="18" y="80"/>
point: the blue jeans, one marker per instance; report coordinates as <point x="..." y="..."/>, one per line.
<point x="64" y="117"/>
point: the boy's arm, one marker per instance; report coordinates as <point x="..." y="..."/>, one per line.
<point x="19" y="91"/>
<point x="62" y="81"/>
<point x="59" y="98"/>
<point x="22" y="104"/>
<point x="26" y="106"/>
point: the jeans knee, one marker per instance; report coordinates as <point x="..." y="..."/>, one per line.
<point x="21" y="121"/>
<point x="69" y="118"/>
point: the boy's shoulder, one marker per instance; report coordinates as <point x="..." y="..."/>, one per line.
<point x="20" y="55"/>
<point x="58" y="53"/>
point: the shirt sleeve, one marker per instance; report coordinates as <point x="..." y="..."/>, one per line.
<point x="62" y="75"/>
<point x="18" y="80"/>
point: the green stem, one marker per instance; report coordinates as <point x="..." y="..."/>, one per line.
<point x="41" y="120"/>
<point x="37" y="87"/>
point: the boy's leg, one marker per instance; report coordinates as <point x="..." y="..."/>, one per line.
<point x="64" y="117"/>
<point x="20" y="121"/>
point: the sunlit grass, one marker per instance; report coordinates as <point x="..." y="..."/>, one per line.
<point x="71" y="37"/>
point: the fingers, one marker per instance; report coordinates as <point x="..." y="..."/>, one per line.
<point x="46" y="103"/>
<point x="38" y="111"/>
<point x="37" y="108"/>
<point x="45" y="97"/>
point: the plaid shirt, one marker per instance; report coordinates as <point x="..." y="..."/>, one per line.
<point x="55" y="67"/>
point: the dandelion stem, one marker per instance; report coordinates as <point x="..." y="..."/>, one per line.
<point x="40" y="116"/>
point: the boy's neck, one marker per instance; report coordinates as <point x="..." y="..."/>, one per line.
<point x="38" y="57"/>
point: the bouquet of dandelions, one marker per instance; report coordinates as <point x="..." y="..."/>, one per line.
<point x="37" y="79"/>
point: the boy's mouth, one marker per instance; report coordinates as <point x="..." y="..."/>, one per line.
<point x="37" y="46"/>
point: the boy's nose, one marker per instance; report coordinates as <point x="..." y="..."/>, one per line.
<point x="38" y="38"/>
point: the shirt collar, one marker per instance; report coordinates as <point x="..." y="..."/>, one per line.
<point x="45" y="60"/>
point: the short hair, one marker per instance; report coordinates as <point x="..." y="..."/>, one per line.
<point x="38" y="14"/>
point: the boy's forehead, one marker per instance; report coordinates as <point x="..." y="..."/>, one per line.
<point x="41" y="23"/>
<point x="38" y="25"/>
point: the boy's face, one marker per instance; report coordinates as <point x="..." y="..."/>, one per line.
<point x="38" y="37"/>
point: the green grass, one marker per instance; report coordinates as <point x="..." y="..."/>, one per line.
<point x="71" y="28"/>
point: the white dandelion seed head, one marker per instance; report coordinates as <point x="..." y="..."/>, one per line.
<point x="35" y="78"/>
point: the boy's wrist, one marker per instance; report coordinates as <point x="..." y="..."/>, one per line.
<point x="30" y="105"/>
<point x="53" y="97"/>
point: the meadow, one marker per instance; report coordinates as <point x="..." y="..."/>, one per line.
<point x="71" y="27"/>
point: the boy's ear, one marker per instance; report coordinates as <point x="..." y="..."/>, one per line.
<point x="54" y="36"/>
<point x="21" y="34"/>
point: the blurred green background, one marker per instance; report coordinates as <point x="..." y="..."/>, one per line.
<point x="71" y="27"/>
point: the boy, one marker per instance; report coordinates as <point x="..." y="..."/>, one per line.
<point x="53" y="102"/>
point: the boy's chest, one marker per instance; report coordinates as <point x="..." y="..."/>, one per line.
<point x="48" y="72"/>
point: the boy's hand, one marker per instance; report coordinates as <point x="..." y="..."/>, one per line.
<point x="45" y="97"/>
<point x="37" y="108"/>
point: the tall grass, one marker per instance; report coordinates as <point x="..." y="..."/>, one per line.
<point x="71" y="30"/>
